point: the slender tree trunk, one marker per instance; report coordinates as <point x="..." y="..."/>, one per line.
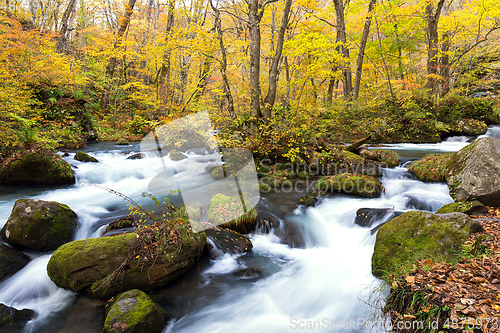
<point x="444" y="64"/>
<point x="110" y="68"/>
<point x="164" y="75"/>
<point x="432" y="16"/>
<point x="342" y="37"/>
<point x="223" y="63"/>
<point x="61" y="43"/>
<point x="362" y="46"/>
<point x="254" y="31"/>
<point x="273" y="74"/>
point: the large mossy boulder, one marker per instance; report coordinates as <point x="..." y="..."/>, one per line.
<point x="221" y="241"/>
<point x="467" y="207"/>
<point x="12" y="320"/>
<point x="337" y="160"/>
<point x="358" y="185"/>
<point x="228" y="212"/>
<point x="84" y="157"/>
<point x="388" y="157"/>
<point x="418" y="235"/>
<point x="11" y="261"/>
<point x="39" y="225"/>
<point x="474" y="172"/>
<point x="134" y="312"/>
<point x="147" y="259"/>
<point x="431" y="168"/>
<point x="470" y="127"/>
<point x="37" y="168"/>
<point x="176" y="155"/>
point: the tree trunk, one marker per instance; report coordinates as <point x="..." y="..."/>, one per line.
<point x="164" y="75"/>
<point x="273" y="74"/>
<point x="254" y="31"/>
<point x="362" y="46"/>
<point x="223" y="63"/>
<point x="444" y="64"/>
<point x="110" y="69"/>
<point x="432" y="16"/>
<point x="61" y="43"/>
<point x="344" y="51"/>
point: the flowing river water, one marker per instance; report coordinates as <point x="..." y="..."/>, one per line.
<point x="327" y="282"/>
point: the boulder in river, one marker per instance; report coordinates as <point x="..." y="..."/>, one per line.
<point x="147" y="259"/>
<point x="358" y="185"/>
<point x="39" y="225"/>
<point x="467" y="207"/>
<point x="37" y="168"/>
<point x="136" y="156"/>
<point x="418" y="235"/>
<point x="366" y="217"/>
<point x="471" y="127"/>
<point x="126" y="222"/>
<point x="176" y="155"/>
<point x="122" y="142"/>
<point x="84" y="157"/>
<point x="431" y="168"/>
<point x="474" y="172"/>
<point x="11" y="261"/>
<point x="12" y="319"/>
<point x="134" y="312"/>
<point x="224" y="208"/>
<point x="221" y="240"/>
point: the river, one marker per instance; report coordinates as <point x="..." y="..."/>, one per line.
<point x="326" y="283"/>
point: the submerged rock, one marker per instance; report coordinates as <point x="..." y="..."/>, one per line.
<point x="134" y="312"/>
<point x="84" y="157"/>
<point x="13" y="319"/>
<point x="359" y="185"/>
<point x="418" y="235"/>
<point x="37" y="168"/>
<point x="248" y="273"/>
<point x="470" y="208"/>
<point x="147" y="259"/>
<point x="474" y="172"/>
<point x="40" y="225"/>
<point x="11" y="261"/>
<point x="136" y="156"/>
<point x="220" y="241"/>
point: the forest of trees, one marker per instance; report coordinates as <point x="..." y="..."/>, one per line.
<point x="141" y="61"/>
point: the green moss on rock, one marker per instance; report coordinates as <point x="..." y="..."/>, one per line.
<point x="359" y="185"/>
<point x="388" y="157"/>
<point x="431" y="168"/>
<point x="122" y="142"/>
<point x="91" y="265"/>
<point x="84" y="157"/>
<point x="37" y="168"/>
<point x="418" y="235"/>
<point x="134" y="312"/>
<point x="39" y="225"/>
<point x="175" y="155"/>
<point x="223" y="208"/>
<point x="469" y="207"/>
<point x="12" y="320"/>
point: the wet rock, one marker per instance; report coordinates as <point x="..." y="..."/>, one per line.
<point x="472" y="172"/>
<point x="136" y="156"/>
<point x="366" y="217"/>
<point x="37" y="168"/>
<point x="11" y="261"/>
<point x="358" y="185"/>
<point x="91" y="265"/>
<point x="13" y="319"/>
<point x="84" y="157"/>
<point x="248" y="273"/>
<point x="418" y="235"/>
<point x="39" y="225"/>
<point x="417" y="203"/>
<point x="122" y="142"/>
<point x="290" y="234"/>
<point x="134" y="312"/>
<point x="221" y="241"/>
<point x="176" y="155"/>
<point x="469" y="207"/>
<point x="308" y="200"/>
<point x="223" y="208"/>
<point x="127" y="222"/>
